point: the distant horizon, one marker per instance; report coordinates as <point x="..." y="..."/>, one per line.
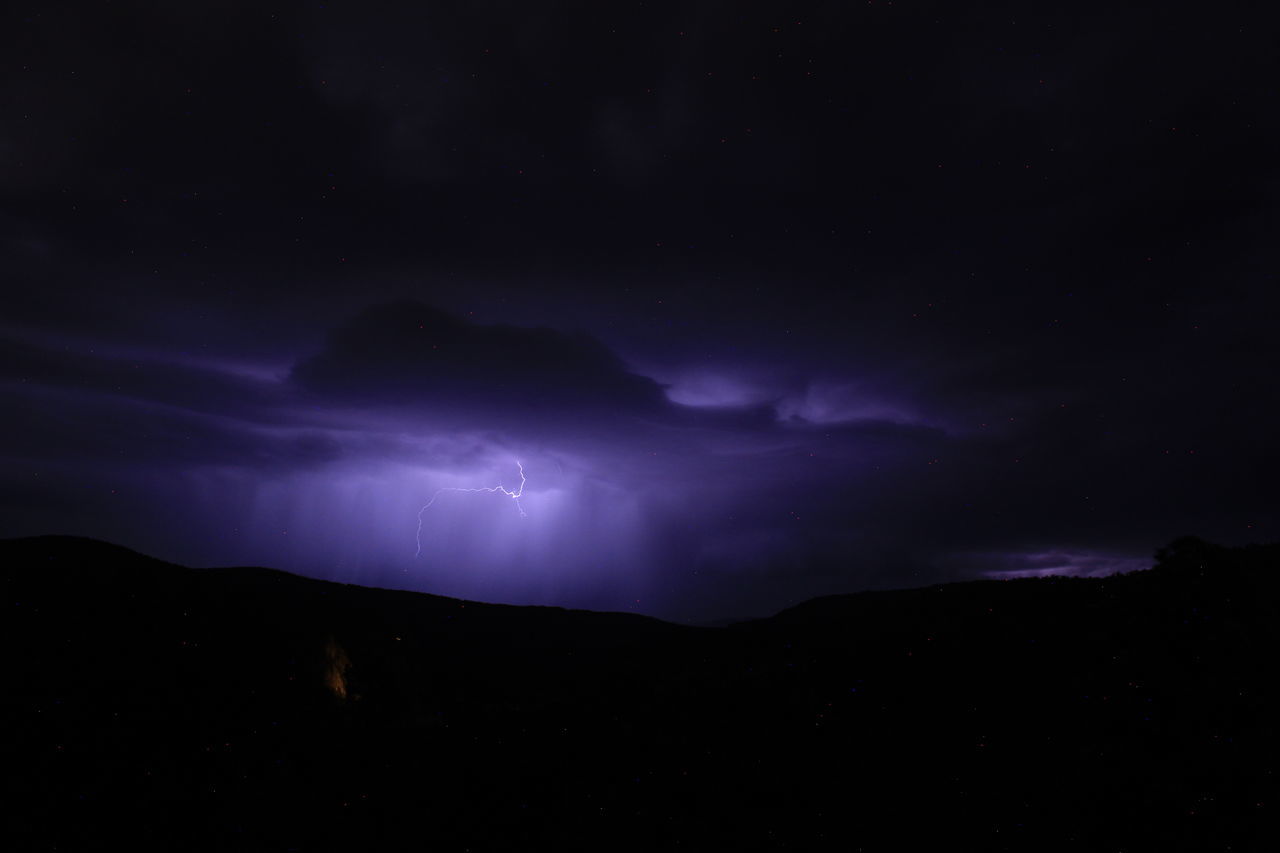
<point x="719" y="621"/>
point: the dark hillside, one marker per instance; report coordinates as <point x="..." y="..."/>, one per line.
<point x="149" y="705"/>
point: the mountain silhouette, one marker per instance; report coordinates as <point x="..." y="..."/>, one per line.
<point x="148" y="705"/>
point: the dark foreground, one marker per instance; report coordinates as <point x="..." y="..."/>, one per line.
<point x="147" y="705"/>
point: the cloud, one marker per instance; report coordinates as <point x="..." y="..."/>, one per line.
<point x="153" y="377"/>
<point x="406" y="354"/>
<point x="691" y="509"/>
<point x="1038" y="564"/>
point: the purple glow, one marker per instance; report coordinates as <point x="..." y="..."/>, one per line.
<point x="813" y="401"/>
<point x="515" y="496"/>
<point x="581" y="541"/>
<point x="715" y="389"/>
<point x="626" y="500"/>
<point x="847" y="402"/>
<point x="1074" y="564"/>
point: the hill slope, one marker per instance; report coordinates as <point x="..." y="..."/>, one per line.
<point x="244" y="709"/>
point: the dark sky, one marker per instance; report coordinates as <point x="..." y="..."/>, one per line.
<point x="769" y="300"/>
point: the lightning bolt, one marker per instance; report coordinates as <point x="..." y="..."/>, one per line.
<point x="515" y="496"/>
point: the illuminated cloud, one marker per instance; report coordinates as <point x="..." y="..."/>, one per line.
<point x="1076" y="564"/>
<point x="727" y="492"/>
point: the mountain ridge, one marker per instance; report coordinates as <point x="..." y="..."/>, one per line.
<point x="254" y="709"/>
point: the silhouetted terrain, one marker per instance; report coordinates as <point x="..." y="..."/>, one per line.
<point x="149" y="705"/>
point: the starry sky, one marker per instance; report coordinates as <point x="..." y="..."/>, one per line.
<point x="767" y="300"/>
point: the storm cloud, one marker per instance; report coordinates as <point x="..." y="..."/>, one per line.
<point x="767" y="302"/>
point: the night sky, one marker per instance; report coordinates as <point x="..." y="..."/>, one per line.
<point x="769" y="300"/>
